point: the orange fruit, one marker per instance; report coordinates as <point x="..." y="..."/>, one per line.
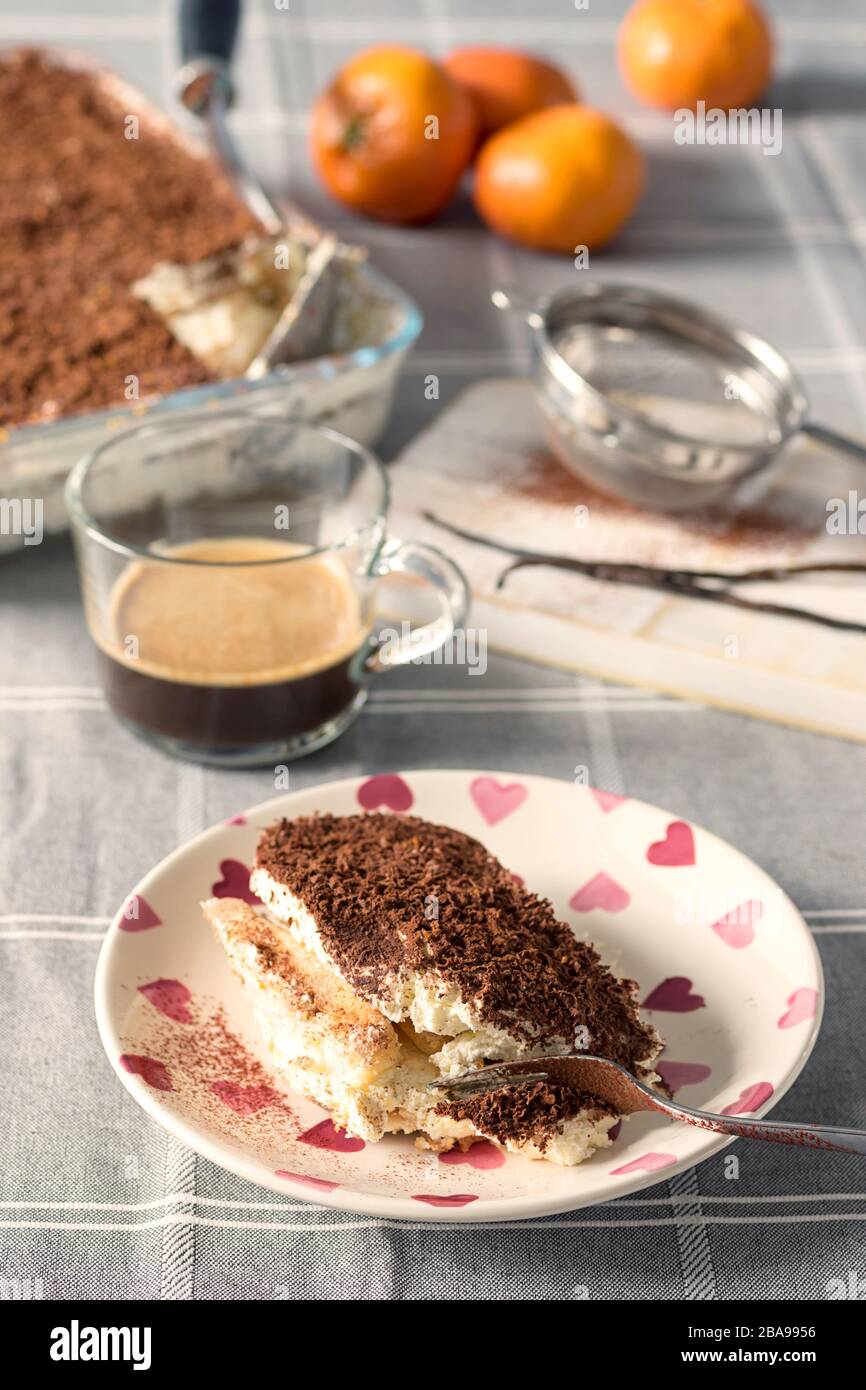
<point x="560" y="179"/>
<point x="507" y="84"/>
<point x="675" y="53"/>
<point x="392" y="134"/>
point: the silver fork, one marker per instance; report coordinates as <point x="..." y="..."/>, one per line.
<point x="612" y="1083"/>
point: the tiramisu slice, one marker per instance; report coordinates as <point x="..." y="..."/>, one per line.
<point x="325" y="1041"/>
<point x="403" y="951"/>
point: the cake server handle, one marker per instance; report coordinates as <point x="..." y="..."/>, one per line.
<point x="208" y="30"/>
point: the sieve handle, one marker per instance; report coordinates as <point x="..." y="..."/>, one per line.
<point x="833" y="440"/>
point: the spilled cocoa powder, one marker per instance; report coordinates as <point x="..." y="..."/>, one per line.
<point x="216" y="1075"/>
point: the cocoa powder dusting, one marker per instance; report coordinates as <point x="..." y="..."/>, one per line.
<point x="216" y="1075"/>
<point x="84" y="212"/>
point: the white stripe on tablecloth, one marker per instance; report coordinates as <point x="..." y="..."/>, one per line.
<point x="490" y="361"/>
<point x="477" y="692"/>
<point x="71" y="921"/>
<point x="834" y="912"/>
<point x="699" y="1275"/>
<point x="825" y="158"/>
<point x="479" y="706"/>
<point x="647" y="125"/>
<point x="177" y="1271"/>
<point x="506" y="692"/>
<point x="27" y="26"/>
<point x="621" y="706"/>
<point x="372" y="1223"/>
<point x="177" y="1266"/>
<point x="368" y="29"/>
<point x="837" y="314"/>
<point x="584" y="689"/>
<point x="531" y="29"/>
<point x="620" y="1204"/>
<point x="24" y="694"/>
<point x="697" y="1269"/>
<point x="852" y="929"/>
<point x="55" y="705"/>
<point x="51" y="936"/>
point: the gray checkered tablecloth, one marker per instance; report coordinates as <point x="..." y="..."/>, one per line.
<point x="94" y="1199"/>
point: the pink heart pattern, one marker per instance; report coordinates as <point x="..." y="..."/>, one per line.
<point x="601" y="891"/>
<point x="802" y="1004"/>
<point x="675" y="1075"/>
<point x="481" y="1155"/>
<point x="170" y="997"/>
<point x="138" y="915"/>
<point x="750" y="1099"/>
<point x="235" y="882"/>
<point x="455" y="1199"/>
<point x="496" y="800"/>
<point x="326" y="1135"/>
<point x="244" y="1100"/>
<point x="674" y="996"/>
<point x="676" y="850"/>
<point x="736" y="928"/>
<point x="155" y="1073"/>
<point x="323" y="1184"/>
<point x="648" y="1163"/>
<point x="385" y="790"/>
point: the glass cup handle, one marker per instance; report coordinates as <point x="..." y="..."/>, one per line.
<point x="440" y="573"/>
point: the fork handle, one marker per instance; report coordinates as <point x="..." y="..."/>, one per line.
<point x="851" y="1141"/>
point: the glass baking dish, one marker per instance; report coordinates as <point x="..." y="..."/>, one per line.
<point x="351" y="389"/>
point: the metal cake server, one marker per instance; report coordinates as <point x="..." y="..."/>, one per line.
<point x="204" y="85"/>
<point x="612" y="1083"/>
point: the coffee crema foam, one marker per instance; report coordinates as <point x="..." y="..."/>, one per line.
<point x="227" y="619"/>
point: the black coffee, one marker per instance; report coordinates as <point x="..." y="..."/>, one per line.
<point x="227" y="652"/>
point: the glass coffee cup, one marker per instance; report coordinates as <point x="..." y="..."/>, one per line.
<point x="231" y="567"/>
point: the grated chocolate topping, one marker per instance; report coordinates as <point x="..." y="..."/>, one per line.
<point x="85" y="212"/>
<point x="532" y="1112"/>
<point x="393" y="892"/>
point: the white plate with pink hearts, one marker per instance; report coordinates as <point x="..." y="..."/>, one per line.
<point x="728" y="972"/>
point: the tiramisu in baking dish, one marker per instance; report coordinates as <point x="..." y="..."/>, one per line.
<point x="95" y="194"/>
<point x="389" y="952"/>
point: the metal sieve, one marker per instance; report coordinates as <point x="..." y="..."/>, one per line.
<point x="659" y="401"/>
